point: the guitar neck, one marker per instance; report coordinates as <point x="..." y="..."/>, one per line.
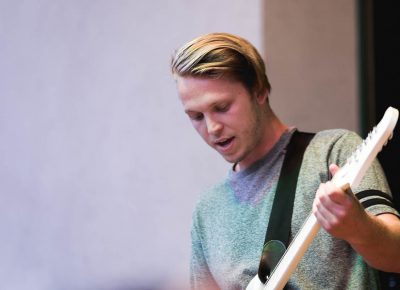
<point x="295" y="252"/>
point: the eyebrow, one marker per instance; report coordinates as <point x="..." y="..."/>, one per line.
<point x="190" y="111"/>
<point x="212" y="105"/>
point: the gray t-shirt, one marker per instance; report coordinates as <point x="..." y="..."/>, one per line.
<point x="230" y="221"/>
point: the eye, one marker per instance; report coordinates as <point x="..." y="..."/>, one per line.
<point x="222" y="108"/>
<point x="195" y="116"/>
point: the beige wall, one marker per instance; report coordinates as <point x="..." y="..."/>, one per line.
<point x="310" y="47"/>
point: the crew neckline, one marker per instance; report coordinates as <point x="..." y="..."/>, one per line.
<point x="279" y="146"/>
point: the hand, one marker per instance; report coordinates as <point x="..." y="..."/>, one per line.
<point x="337" y="211"/>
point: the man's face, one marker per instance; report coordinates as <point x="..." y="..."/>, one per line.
<point x="225" y="115"/>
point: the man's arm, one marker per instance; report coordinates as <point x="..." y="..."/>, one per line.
<point x="375" y="238"/>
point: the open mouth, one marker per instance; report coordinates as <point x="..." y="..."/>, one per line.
<point x="225" y="143"/>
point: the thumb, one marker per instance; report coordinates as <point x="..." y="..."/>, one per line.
<point x="333" y="168"/>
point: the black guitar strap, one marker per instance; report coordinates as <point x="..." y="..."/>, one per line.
<point x="278" y="231"/>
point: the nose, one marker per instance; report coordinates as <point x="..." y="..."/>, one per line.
<point x="213" y="125"/>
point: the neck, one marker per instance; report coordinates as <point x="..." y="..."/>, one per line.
<point x="272" y="129"/>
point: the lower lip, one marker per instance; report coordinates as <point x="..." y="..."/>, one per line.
<point x="226" y="148"/>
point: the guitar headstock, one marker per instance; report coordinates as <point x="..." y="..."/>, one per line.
<point x="356" y="165"/>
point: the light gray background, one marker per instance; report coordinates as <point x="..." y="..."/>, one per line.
<point x="99" y="167"/>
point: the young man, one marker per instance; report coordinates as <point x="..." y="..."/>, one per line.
<point x="224" y="90"/>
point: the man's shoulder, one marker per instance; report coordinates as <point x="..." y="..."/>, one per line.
<point x="335" y="137"/>
<point x="332" y="146"/>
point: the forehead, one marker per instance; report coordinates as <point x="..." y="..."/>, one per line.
<point x="198" y="91"/>
<point x="188" y="84"/>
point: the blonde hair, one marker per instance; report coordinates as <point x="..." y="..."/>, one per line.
<point x="221" y="54"/>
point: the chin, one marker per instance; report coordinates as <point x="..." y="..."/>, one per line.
<point x="232" y="159"/>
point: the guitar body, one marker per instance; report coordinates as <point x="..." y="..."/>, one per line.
<point x="351" y="175"/>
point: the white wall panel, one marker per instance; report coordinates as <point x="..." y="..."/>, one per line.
<point x="99" y="167"/>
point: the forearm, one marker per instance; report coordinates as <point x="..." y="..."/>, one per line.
<point x="377" y="240"/>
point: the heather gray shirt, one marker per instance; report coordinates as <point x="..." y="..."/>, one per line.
<point x="230" y="220"/>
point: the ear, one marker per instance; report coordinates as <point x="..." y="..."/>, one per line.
<point x="262" y="97"/>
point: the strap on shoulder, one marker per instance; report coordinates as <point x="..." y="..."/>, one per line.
<point x="282" y="208"/>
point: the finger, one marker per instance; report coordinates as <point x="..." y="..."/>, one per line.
<point x="342" y="196"/>
<point x="329" y="193"/>
<point x="333" y="210"/>
<point x="324" y="216"/>
<point x="323" y="201"/>
<point x="333" y="168"/>
<point x="338" y="196"/>
<point x="331" y="201"/>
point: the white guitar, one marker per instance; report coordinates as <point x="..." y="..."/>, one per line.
<point x="349" y="175"/>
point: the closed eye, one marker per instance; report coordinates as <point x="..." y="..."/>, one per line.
<point x="222" y="108"/>
<point x="195" y="116"/>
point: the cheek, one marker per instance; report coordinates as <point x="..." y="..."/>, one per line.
<point x="250" y="125"/>
<point x="201" y="129"/>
